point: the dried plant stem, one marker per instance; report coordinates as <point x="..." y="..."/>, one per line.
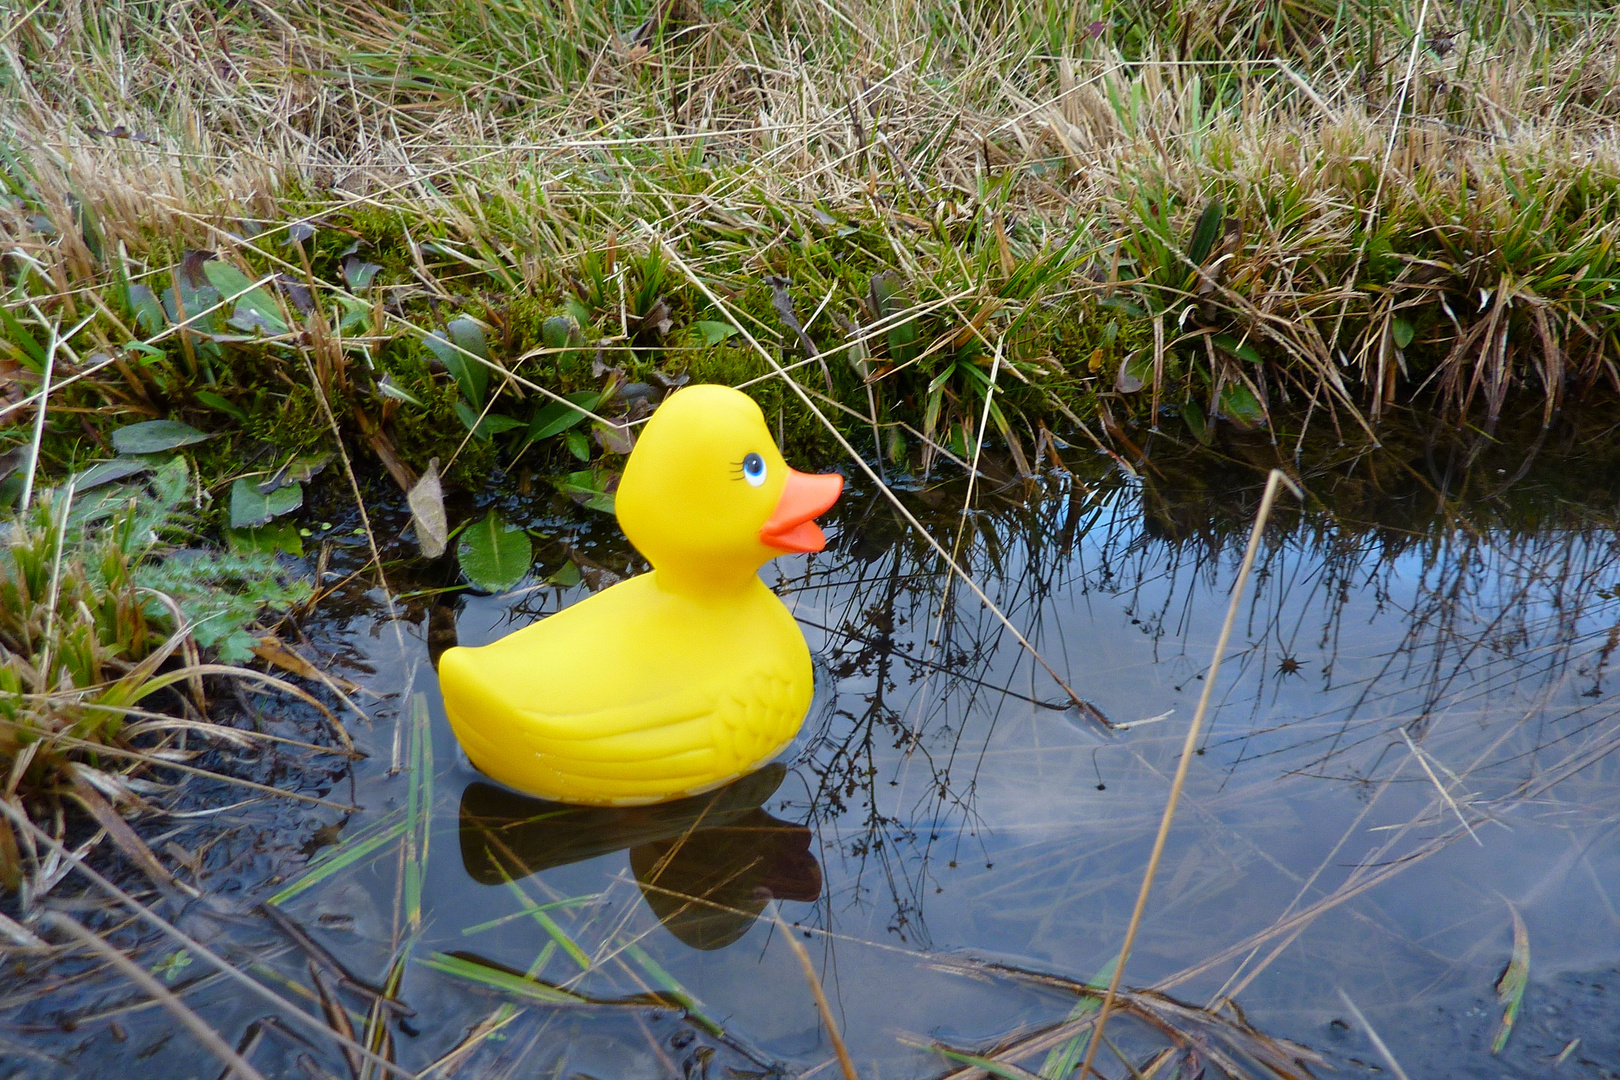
<point x="160" y="993"/>
<point x="1189" y="745"/>
<point x="1389" y="1058"/>
<point x="845" y="1062"/>
<point x="193" y="946"/>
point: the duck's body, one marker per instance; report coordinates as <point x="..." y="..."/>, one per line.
<point x="575" y="709"/>
<point x="676" y="681"/>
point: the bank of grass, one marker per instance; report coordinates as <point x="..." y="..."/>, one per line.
<point x="1196" y="214"/>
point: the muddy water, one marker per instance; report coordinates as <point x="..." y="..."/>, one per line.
<point x="1411" y="744"/>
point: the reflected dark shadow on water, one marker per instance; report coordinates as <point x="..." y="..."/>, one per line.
<point x="707" y="865"/>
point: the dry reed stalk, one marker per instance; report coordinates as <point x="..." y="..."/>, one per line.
<point x="1277" y="479"/>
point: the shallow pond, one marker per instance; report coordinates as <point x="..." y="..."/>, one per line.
<point x="1411" y="746"/>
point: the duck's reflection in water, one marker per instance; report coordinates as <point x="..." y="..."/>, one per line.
<point x="707" y="865"/>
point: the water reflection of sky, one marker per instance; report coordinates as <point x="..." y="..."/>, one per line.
<point x="950" y="808"/>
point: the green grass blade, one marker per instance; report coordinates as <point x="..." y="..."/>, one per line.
<point x="1510" y="987"/>
<point x="352" y="853"/>
<point x="496" y="979"/>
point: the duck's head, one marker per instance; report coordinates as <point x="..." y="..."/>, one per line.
<point x="706" y="496"/>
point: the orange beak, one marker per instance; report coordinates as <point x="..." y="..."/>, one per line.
<point x="792" y="526"/>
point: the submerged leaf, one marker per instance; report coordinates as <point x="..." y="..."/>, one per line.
<point x="251" y="507"/>
<point x="267" y="539"/>
<point x="155" y="436"/>
<point x="427" y="512"/>
<point x="494" y="556"/>
<point x="1239" y="405"/>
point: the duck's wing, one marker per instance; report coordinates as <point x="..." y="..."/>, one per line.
<point x="686" y="737"/>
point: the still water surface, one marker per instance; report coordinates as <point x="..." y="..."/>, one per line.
<point x="1412" y="739"/>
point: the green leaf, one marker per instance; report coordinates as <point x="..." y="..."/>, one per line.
<point x="24" y="343"/>
<point x="251" y="507"/>
<point x="155" y="436"/>
<point x="554" y="418"/>
<point x="1242" y="350"/>
<point x="105" y="472"/>
<point x="465" y="337"/>
<point x="490" y="425"/>
<point x="148" y="312"/>
<point x="494" y="556"/>
<point x="1239" y="405"/>
<point x="579" y="445"/>
<point x="1197" y="423"/>
<point x="214" y="401"/>
<point x="1402" y="331"/>
<point x="1003" y="1069"/>
<point x="1206" y="232"/>
<point x="567" y="575"/>
<point x="255" y="309"/>
<point x="588" y="488"/>
<point x="267" y="539"/>
<point x="714" y="332"/>
<point x="562" y="332"/>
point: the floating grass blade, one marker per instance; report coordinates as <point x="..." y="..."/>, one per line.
<point x="345" y="856"/>
<point x="418" y="808"/>
<point x="689" y="1001"/>
<point x="558" y="934"/>
<point x="497" y="979"/>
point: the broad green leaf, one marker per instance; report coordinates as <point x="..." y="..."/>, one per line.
<point x="155" y="436"/>
<point x="143" y="302"/>
<point x="105" y="472"/>
<point x="554" y="417"/>
<point x="494" y="556"/>
<point x="387" y="388"/>
<point x="567" y="576"/>
<point x="251" y="507"/>
<point x="490" y="425"/>
<point x="714" y="332"/>
<point x="562" y="332"/>
<point x="1402" y="331"/>
<point x="588" y="488"/>
<point x="267" y="539"/>
<point x="1197" y="423"/>
<point x="255" y="309"/>
<point x="465" y="336"/>
<point x="579" y="445"/>
<point x="1239" y="405"/>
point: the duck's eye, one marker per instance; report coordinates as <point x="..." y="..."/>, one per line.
<point x="754" y="469"/>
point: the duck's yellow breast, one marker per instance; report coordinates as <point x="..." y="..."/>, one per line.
<point x="638" y="694"/>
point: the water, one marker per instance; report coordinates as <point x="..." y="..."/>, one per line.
<point x="1411" y="739"/>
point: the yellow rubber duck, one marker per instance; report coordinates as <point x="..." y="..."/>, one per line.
<point x="676" y="681"/>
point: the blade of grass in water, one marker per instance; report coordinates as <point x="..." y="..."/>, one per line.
<point x="573" y="901"/>
<point x="1061" y="1060"/>
<point x="995" y="1068"/>
<point x="1510" y="987"/>
<point x="351" y="853"/>
<point x="558" y="934"/>
<point x="418" y="809"/>
<point x="497" y="979"/>
<point x="694" y="1008"/>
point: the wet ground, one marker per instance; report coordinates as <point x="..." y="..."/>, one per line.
<point x="1412" y="741"/>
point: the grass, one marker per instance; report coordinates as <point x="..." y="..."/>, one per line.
<point x="1163" y="216"/>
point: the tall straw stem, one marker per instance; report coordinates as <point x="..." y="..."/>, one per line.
<point x="1189" y="746"/>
